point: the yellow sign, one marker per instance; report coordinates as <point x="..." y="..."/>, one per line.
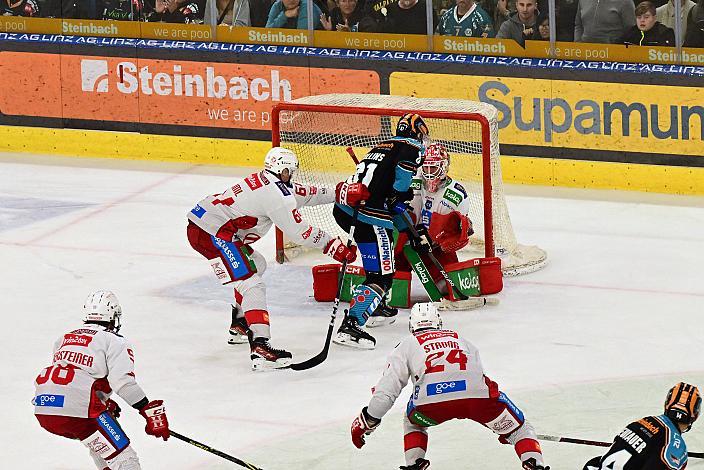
<point x="584" y="115"/>
<point x="178" y="32"/>
<point x="282" y="37"/>
<point x="371" y="41"/>
<point x="105" y="28"/>
<point x="20" y="24"/>
<point x="477" y="46"/>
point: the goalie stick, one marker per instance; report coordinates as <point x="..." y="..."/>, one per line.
<point x="207" y="448"/>
<point x="571" y="440"/>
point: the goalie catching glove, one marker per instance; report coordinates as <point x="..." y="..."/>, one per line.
<point x="450" y="231"/>
<point x="363" y="425"/>
<point x="339" y="251"/>
<point x="351" y="194"/>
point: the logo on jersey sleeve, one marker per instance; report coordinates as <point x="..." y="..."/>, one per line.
<point x="442" y="388"/>
<point x="198" y="211"/>
<point x="55" y="401"/>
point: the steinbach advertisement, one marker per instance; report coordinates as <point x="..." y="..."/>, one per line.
<point x="171" y="92"/>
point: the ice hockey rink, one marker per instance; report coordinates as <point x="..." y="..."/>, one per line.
<point x="584" y="346"/>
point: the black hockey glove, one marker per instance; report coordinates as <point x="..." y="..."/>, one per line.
<point x="531" y="464"/>
<point x="423" y="244"/>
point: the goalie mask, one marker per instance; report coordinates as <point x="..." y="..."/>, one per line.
<point x="279" y="159"/>
<point x="435" y="166"/>
<point x="102" y="306"/>
<point x="424" y="316"/>
<point x="683" y="404"/>
<point x="413" y="126"/>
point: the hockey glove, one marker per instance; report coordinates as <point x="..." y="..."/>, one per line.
<point x="155" y="414"/>
<point x="423" y="244"/>
<point x="339" y="251"/>
<point x="351" y="194"/>
<point x="363" y="425"/>
<point x="531" y="464"/>
<point x="113" y="408"/>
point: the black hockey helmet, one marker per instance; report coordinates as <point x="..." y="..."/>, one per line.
<point x="683" y="404"/>
<point x="413" y="126"/>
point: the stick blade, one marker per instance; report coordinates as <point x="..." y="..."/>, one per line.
<point x="467" y="304"/>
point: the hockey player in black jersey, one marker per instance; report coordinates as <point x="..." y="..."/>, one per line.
<point x="382" y="183"/>
<point x="655" y="442"/>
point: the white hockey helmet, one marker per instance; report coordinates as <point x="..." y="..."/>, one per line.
<point x="424" y="315"/>
<point x="278" y="159"/>
<point x="102" y="306"/>
<point x="435" y="166"/>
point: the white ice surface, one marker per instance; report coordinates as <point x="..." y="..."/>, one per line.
<point x="584" y="346"/>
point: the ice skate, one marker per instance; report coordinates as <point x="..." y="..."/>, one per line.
<point x="238" y="329"/>
<point x="350" y="334"/>
<point x="384" y="315"/>
<point x="421" y="464"/>
<point x="265" y="357"/>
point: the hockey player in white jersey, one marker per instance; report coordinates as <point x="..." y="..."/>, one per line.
<point x="222" y="228"/>
<point x="448" y="383"/>
<point x="72" y="395"/>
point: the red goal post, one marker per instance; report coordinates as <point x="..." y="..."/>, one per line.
<point x="320" y="128"/>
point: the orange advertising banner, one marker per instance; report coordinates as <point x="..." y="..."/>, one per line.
<point x="169" y="92"/>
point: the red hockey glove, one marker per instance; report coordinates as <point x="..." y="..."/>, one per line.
<point x="155" y="414"/>
<point x="363" y="425"/>
<point x="351" y="194"/>
<point x="113" y="408"/>
<point x="339" y="251"/>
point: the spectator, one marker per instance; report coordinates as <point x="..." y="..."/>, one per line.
<point x="603" y="22"/>
<point x="565" y="11"/>
<point x="20" y="8"/>
<point x="259" y="12"/>
<point x="466" y="19"/>
<point x="175" y="11"/>
<point x="521" y="24"/>
<point x="502" y="12"/>
<point x="292" y="14"/>
<point x="695" y="26"/>
<point x="344" y="17"/>
<point x="230" y="12"/>
<point x="407" y="17"/>
<point x="666" y="14"/>
<point x="648" y="31"/>
<point x="120" y="10"/>
<point x="542" y="31"/>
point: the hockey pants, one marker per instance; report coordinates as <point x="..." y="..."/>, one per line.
<point x="498" y="414"/>
<point x="238" y="265"/>
<point x="107" y="443"/>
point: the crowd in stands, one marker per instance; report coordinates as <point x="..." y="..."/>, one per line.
<point x="632" y="22"/>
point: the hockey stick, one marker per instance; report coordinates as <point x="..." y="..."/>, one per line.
<point x="414" y="233"/>
<point x="468" y="304"/>
<point x="322" y="355"/>
<point x="207" y="448"/>
<point x="571" y="440"/>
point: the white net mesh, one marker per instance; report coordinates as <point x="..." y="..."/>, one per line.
<point x="320" y="139"/>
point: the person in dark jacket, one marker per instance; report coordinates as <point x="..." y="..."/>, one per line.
<point x="695" y="26"/>
<point x="408" y="17"/>
<point x="344" y="17"/>
<point x="648" y="31"/>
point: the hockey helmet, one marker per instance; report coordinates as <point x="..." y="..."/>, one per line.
<point x="413" y="126"/>
<point x="102" y="306"/>
<point x="423" y="316"/>
<point x="435" y="166"/>
<point x="683" y="404"/>
<point x="279" y="159"/>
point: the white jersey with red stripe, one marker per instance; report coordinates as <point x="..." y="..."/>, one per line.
<point x="450" y="197"/>
<point x="88" y="364"/>
<point x="441" y="365"/>
<point x="247" y="210"/>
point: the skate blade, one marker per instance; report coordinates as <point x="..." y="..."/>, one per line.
<point x="262" y="365"/>
<point x="374" y="322"/>
<point x="236" y="338"/>
<point x="344" y="339"/>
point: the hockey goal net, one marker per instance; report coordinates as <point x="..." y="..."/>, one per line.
<point x="320" y="129"/>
